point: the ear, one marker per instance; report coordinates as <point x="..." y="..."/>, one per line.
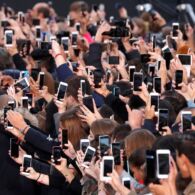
<point x="184" y="162"/>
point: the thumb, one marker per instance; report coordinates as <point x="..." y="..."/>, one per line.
<point x="128" y="109"/>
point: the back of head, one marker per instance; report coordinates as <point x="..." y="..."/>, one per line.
<point x="79" y="6"/>
<point x="138" y="139"/>
<point x="5" y="60"/>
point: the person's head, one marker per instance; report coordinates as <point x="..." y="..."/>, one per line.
<point x="122" y="11"/>
<point x="106" y="111"/>
<point x="72" y="90"/>
<point x="102" y="127"/>
<point x="137" y="139"/>
<point x="6" y="61"/>
<point x="79" y="11"/>
<point x="139" y="27"/>
<point x="185" y="153"/>
<point x="41" y="10"/>
<point x="76" y="129"/>
<point x="136" y="163"/>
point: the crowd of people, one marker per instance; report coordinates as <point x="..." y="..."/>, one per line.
<point x="92" y="104"/>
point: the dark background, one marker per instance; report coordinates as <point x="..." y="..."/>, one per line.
<point x="166" y="7"/>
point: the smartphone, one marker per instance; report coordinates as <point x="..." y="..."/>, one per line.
<point x="116" y="147"/>
<point x="178" y="78"/>
<point x="106" y="167"/>
<point x="104" y="144"/>
<point x="151" y="70"/>
<point x="64" y="43"/>
<point x="151" y="164"/>
<point x="8" y="124"/>
<point x="131" y="73"/>
<point x="154" y="42"/>
<point x="185" y="59"/>
<point x="75" y="66"/>
<point x="62" y="91"/>
<point x="22" y="84"/>
<point x="126" y="182"/>
<point x="38" y="32"/>
<point x="108" y="75"/>
<point x="163" y="163"/>
<point x="114" y="60"/>
<point x="30" y="98"/>
<point x="74" y="39"/>
<point x="41" y="80"/>
<point x="116" y="91"/>
<point x="24" y="74"/>
<point x="78" y="26"/>
<point x="89" y="154"/>
<point x="154" y="98"/>
<point x="35" y="22"/>
<point x="21" y="17"/>
<point x="137" y="81"/>
<point x="186" y="120"/>
<point x="97" y="79"/>
<point x="157" y="84"/>
<point x="14" y="147"/>
<point x="56" y="152"/>
<point x="150" y="87"/>
<point x="145" y="58"/>
<point x="163" y="115"/>
<point x="175" y="28"/>
<point x="83" y="87"/>
<point x="27" y="162"/>
<point x="24" y="102"/>
<point x="8" y="37"/>
<point x="88" y="102"/>
<point x="84" y="143"/>
<point x="11" y="104"/>
<point x="64" y="138"/>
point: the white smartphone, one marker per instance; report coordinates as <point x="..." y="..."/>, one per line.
<point x="74" y="39"/>
<point x="27" y="162"/>
<point x="126" y="182"/>
<point x="163" y="163"/>
<point x="22" y="84"/>
<point x="131" y="72"/>
<point x="83" y="87"/>
<point x="38" y="32"/>
<point x="175" y="27"/>
<point x="41" y="80"/>
<point x="186" y="120"/>
<point x="89" y="154"/>
<point x="62" y="91"/>
<point x="24" y="102"/>
<point x="65" y="43"/>
<point x="20" y="16"/>
<point x="154" y="100"/>
<point x="84" y="143"/>
<point x="106" y="166"/>
<point x="8" y="37"/>
<point x="11" y="104"/>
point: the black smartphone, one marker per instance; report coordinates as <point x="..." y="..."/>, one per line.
<point x="185" y="59"/>
<point x="145" y="58"/>
<point x="14" y="147"/>
<point x="83" y="87"/>
<point x="178" y="78"/>
<point x="35" y="22"/>
<point x="155" y="101"/>
<point x="78" y="26"/>
<point x="150" y="165"/>
<point x="56" y="152"/>
<point x="113" y="60"/>
<point x="116" y="147"/>
<point x="151" y="70"/>
<point x="62" y="91"/>
<point x="41" y="80"/>
<point x="127" y="182"/>
<point x="64" y="138"/>
<point x="137" y="81"/>
<point x="38" y="32"/>
<point x="97" y="79"/>
<point x="116" y="91"/>
<point x="88" y="102"/>
<point x="186" y="119"/>
<point x="131" y="73"/>
<point x="163" y="119"/>
<point x="157" y="84"/>
<point x="75" y="66"/>
<point x="45" y="45"/>
<point x="104" y="144"/>
<point x="30" y="98"/>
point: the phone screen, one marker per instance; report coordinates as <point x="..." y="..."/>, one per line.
<point x="175" y="32"/>
<point x="27" y="163"/>
<point x="74" y="39"/>
<point x="38" y="33"/>
<point x="41" y="81"/>
<point x="185" y="59"/>
<point x="163" y="118"/>
<point x="83" y="87"/>
<point x="178" y="78"/>
<point x="151" y="71"/>
<point x="22" y="84"/>
<point x="56" y="154"/>
<point x="61" y="91"/>
<point x="157" y="84"/>
<point x="127" y="184"/>
<point x="113" y="60"/>
<point x="116" y="91"/>
<point x="14" y="147"/>
<point x="131" y="73"/>
<point x="64" y="138"/>
<point x="25" y="103"/>
<point x="116" y="153"/>
<point x="9" y="38"/>
<point x="151" y="164"/>
<point x="88" y="102"/>
<point x="104" y="143"/>
<point x="30" y="98"/>
<point x="108" y="166"/>
<point x="65" y="44"/>
<point x="84" y="146"/>
<point x="163" y="162"/>
<point x="89" y="155"/>
<point x="137" y="81"/>
<point x="186" y="118"/>
<point x="155" y="102"/>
